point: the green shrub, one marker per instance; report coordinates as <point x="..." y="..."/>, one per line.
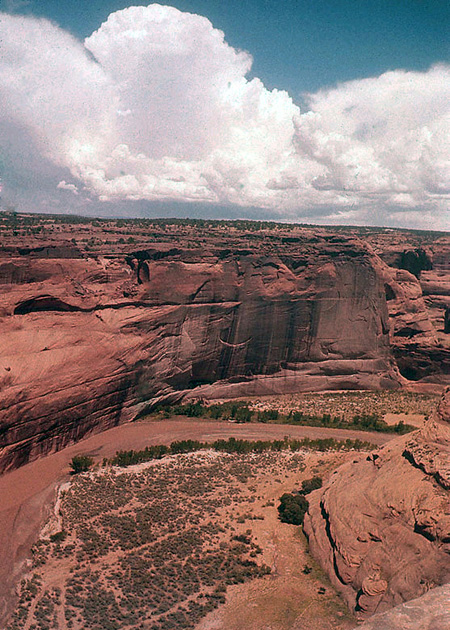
<point x="308" y="485"/>
<point x="81" y="463"/>
<point x="292" y="508"/>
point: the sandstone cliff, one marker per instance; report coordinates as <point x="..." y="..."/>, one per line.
<point x="418" y="297"/>
<point x="90" y="342"/>
<point x="381" y="526"/>
<point x="93" y="333"/>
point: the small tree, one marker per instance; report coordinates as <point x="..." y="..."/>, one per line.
<point x="81" y="463"/>
<point x="308" y="485"/>
<point x="292" y="508"/>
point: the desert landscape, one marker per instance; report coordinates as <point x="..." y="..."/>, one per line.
<point x="141" y="347"/>
<point x="132" y="314"/>
<point x="224" y="315"/>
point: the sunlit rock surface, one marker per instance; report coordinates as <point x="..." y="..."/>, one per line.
<point x="381" y="526"/>
<point x="429" y="612"/>
<point x="92" y="336"/>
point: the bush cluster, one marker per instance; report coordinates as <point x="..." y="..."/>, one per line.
<point x="308" y="485"/>
<point x="240" y="412"/>
<point x="359" y="422"/>
<point x="233" y="445"/>
<point x="81" y="463"/>
<point x="127" y="458"/>
<point x="292" y="508"/>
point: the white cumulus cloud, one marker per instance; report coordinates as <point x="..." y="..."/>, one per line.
<point x="155" y="105"/>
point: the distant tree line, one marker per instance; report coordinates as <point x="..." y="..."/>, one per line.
<point x="233" y="445"/>
<point x="241" y="413"/>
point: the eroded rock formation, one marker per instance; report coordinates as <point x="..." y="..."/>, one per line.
<point x="381" y="526"/>
<point x="91" y="337"/>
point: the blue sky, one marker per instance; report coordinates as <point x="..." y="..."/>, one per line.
<point x="305" y="110"/>
<point x="301" y="45"/>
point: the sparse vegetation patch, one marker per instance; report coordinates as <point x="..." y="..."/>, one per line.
<point x="243" y="412"/>
<point x="233" y="445"/>
<point x="150" y="549"/>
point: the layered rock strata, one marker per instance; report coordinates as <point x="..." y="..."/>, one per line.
<point x="381" y="526"/>
<point x="94" y="334"/>
<point x="88" y="343"/>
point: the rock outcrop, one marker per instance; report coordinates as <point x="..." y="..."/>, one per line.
<point x="429" y="612"/>
<point x="88" y="343"/>
<point x="419" y="307"/>
<point x="94" y="334"/>
<point x="381" y="526"/>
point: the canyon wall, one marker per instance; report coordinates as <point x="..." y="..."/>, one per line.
<point x="92" y="339"/>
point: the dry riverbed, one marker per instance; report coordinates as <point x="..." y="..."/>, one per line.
<point x="27" y="493"/>
<point x="189" y="542"/>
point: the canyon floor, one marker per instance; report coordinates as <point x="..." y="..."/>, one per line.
<point x="178" y="538"/>
<point x="105" y="321"/>
<point x="29" y="493"/>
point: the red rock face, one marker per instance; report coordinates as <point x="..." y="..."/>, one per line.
<point x="381" y="526"/>
<point x="90" y="341"/>
<point x="443" y="411"/>
<point x="418" y="296"/>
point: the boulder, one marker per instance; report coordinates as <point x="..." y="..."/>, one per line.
<point x="381" y="526"/>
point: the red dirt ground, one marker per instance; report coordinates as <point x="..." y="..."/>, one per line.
<point x="27" y="493"/>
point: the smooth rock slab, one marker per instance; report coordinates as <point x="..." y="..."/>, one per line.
<point x="429" y="612"/>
